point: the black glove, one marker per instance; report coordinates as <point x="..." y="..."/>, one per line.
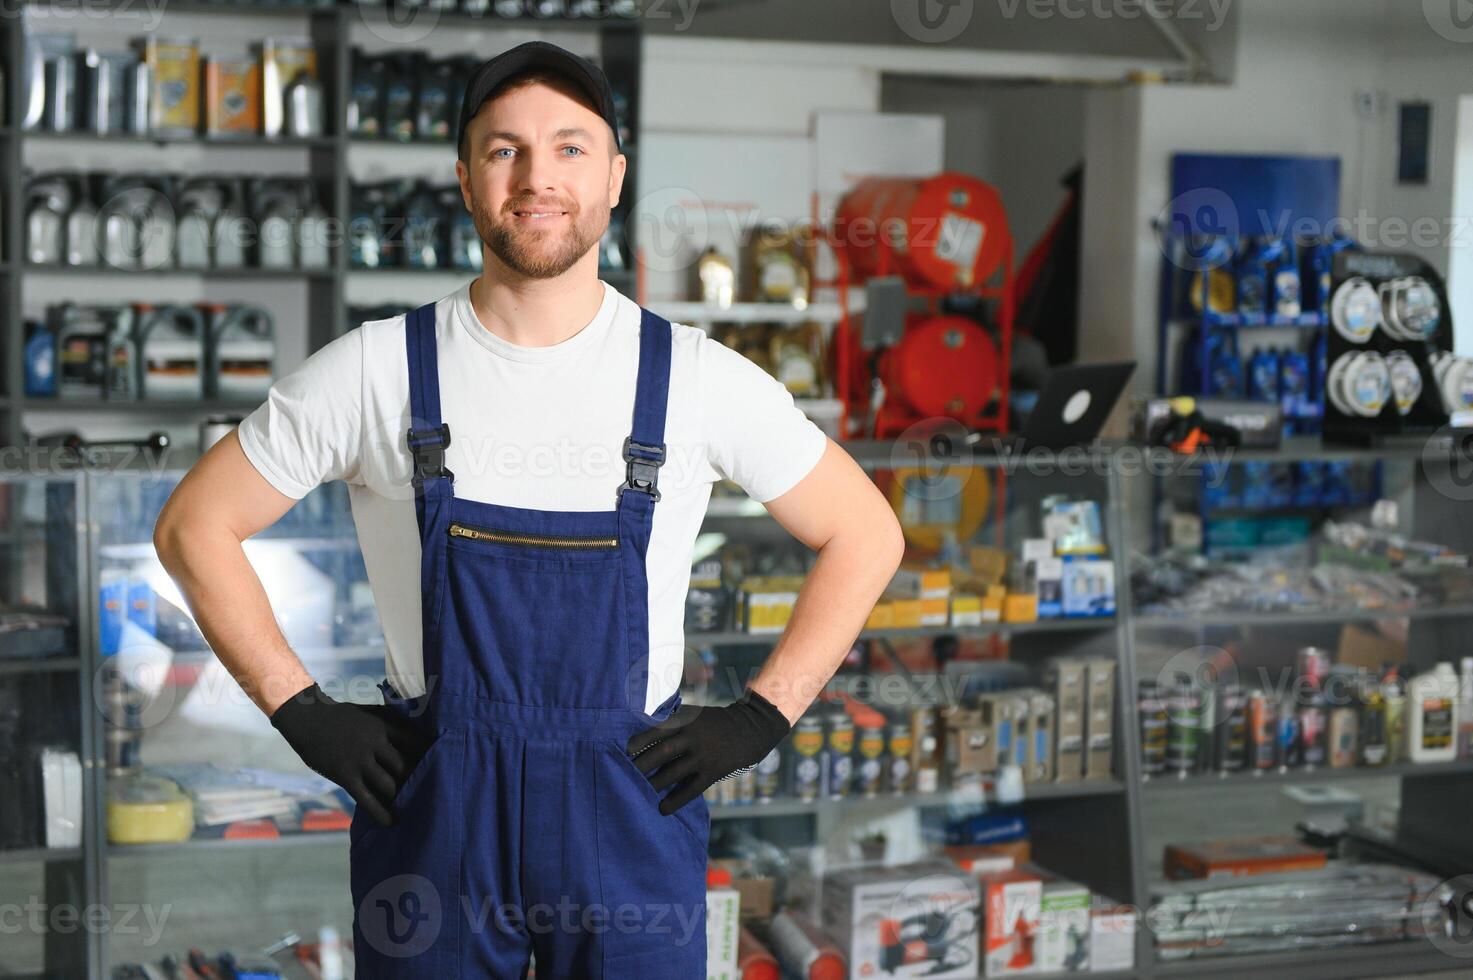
<point x="699" y="745"/>
<point x="367" y="749"/>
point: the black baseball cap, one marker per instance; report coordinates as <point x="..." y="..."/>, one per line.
<point x="535" y="56"/>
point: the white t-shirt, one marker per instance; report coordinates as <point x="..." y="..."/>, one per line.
<point x="535" y="427"/>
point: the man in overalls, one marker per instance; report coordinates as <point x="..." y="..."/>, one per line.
<point x="529" y="461"/>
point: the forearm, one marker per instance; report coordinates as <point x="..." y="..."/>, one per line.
<point x="229" y="604"/>
<point x="851" y="572"/>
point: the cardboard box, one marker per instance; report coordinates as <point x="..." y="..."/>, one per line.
<point x="1011" y="902"/>
<point x="868" y="910"/>
<point x="1099" y="719"/>
<point x="882" y="617"/>
<point x="723" y="929"/>
<point x="1048" y="586"/>
<point x="993" y="602"/>
<point x="1040" y="767"/>
<point x="1063" y="927"/>
<point x="1088" y="587"/>
<point x="1242" y="856"/>
<point x="980" y="859"/>
<point x="907" y="613"/>
<point x="1112" y="932"/>
<point x="970" y="747"/>
<point x="966" y="609"/>
<point x="1019" y="607"/>
<point x="755" y="892"/>
<point x="919" y="582"/>
<point x="1065" y="680"/>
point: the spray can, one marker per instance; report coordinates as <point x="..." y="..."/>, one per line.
<point x="871" y="757"/>
<point x="1184" y="718"/>
<point x="898" y="764"/>
<point x="839" y="755"/>
<point x="1373" y="748"/>
<point x="1231" y="731"/>
<point x="806" y="745"/>
<point x="1313" y="730"/>
<point x="924" y="750"/>
<point x="1344" y="737"/>
<point x="1291" y="747"/>
<point x="1396" y="702"/>
<point x="768" y="776"/>
<point x="1262" y="731"/>
<point x="1151" y="708"/>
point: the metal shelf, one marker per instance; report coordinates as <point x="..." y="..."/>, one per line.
<point x="51" y="269"/>
<point x="1291" y="777"/>
<point x="739" y="638"/>
<point x="309" y="838"/>
<point x="787" y="807"/>
<point x="21" y="855"/>
<point x="1368" y="960"/>
<point x="199" y="139"/>
<point x="1228" y="620"/>
<point x="39" y="665"/>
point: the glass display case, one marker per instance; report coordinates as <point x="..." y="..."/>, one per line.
<point x="964" y="720"/>
<point x="47" y="834"/>
<point x="1298" y="630"/>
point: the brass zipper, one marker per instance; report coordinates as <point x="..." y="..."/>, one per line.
<point x="529" y="540"/>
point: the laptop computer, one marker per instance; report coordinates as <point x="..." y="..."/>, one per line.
<point x="1070" y="411"/>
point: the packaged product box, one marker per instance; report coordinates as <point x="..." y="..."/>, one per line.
<point x="884" y="919"/>
<point x="767" y="602"/>
<point x="1063" y="927"/>
<point x="173" y="64"/>
<point x="919" y="582"/>
<point x="934" y="612"/>
<point x="993" y="601"/>
<point x="1065" y="680"/>
<point x="980" y="859"/>
<point x="1241" y="856"/>
<point x="1088" y="587"/>
<point x="756" y="891"/>
<point x="881" y="617"/>
<point x="968" y="741"/>
<point x="723" y="931"/>
<point x="907" y="613"/>
<point x="1099" y="718"/>
<point x="966" y="609"/>
<point x="1011" y="902"/>
<point x="1048" y="584"/>
<point x="1112" y="930"/>
<point x="232" y="97"/>
<point x="1040" y="764"/>
<point x="1020" y="607"/>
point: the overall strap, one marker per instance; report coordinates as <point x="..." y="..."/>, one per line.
<point x="644" y="447"/>
<point x="428" y="436"/>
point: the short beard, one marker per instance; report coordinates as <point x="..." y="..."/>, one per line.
<point x="584" y="233"/>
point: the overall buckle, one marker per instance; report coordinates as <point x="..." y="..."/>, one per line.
<point x="642" y="468"/>
<point x="427" y="446"/>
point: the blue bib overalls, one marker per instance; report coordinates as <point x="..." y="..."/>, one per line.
<point x="526" y="826"/>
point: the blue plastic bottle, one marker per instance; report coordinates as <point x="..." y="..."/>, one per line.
<point x="1294" y="388"/>
<point x="1285" y="296"/>
<point x="1263" y="375"/>
<point x="40" y="360"/>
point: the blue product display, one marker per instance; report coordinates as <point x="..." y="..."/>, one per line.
<point x="1309" y="484"/>
<point x="1263" y="375"/>
<point x="1295" y="398"/>
<point x="142" y="609"/>
<point x="1224" y="367"/>
<point x="1254" y="266"/>
<point x="1338" y="486"/>
<point x="1218" y="486"/>
<point x="40" y="360"/>
<point x="1284" y="296"/>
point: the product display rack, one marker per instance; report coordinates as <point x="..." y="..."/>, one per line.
<point x="328" y="295"/>
<point x="1111" y="859"/>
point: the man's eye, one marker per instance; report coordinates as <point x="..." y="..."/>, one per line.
<point x="574" y="149"/>
<point x="496" y="153"/>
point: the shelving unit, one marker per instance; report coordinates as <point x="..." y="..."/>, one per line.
<point x="327" y="160"/>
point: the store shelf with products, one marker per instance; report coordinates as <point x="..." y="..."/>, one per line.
<point x="316" y="146"/>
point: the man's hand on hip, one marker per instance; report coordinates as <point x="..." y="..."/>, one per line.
<point x="367" y="749"/>
<point x="699" y="745"/>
